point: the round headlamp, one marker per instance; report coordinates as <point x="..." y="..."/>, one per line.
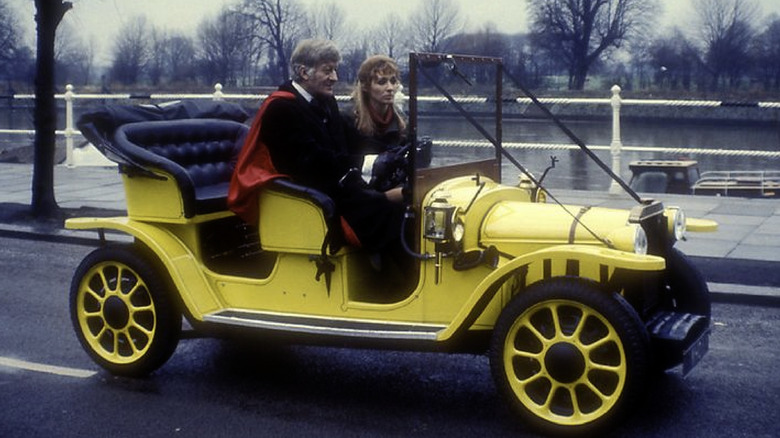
<point x="679" y="225"/>
<point x="640" y="241"/>
<point x="458" y="230"/>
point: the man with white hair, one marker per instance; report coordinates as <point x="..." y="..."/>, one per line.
<point x="299" y="133"/>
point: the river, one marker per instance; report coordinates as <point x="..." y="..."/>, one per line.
<point x="573" y="170"/>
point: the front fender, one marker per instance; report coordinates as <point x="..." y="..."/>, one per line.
<point x="594" y="263"/>
<point x="179" y="262"/>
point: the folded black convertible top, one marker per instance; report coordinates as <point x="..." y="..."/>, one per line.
<point x="98" y="126"/>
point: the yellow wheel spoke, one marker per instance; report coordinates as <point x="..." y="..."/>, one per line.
<point x="136" y="309"/>
<point x="558" y="330"/>
<point x="528" y="355"/>
<point x="135" y="288"/>
<point x="594" y="345"/>
<point x="595" y="390"/>
<point x="141" y="328"/>
<point x="106" y="285"/>
<point x="99" y="335"/>
<point x="87" y="314"/>
<point x="550" y="394"/>
<point x="116" y="343"/>
<point x="94" y="295"/>
<point x="580" y="324"/>
<point x="602" y="367"/>
<point x="527" y="324"/>
<point x="575" y="403"/>
<point x="131" y="343"/>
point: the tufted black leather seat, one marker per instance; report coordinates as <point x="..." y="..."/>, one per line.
<point x="200" y="154"/>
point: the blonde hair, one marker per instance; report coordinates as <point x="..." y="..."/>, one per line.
<point x="369" y="70"/>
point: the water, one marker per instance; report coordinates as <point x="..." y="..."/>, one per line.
<point x="573" y="170"/>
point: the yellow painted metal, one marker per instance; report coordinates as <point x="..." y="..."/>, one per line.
<point x="153" y="199"/>
<point x="589" y="259"/>
<point x="186" y="271"/>
<point x="469" y="299"/>
<point x="534" y="385"/>
<point x="118" y="345"/>
<point x="516" y="228"/>
<point x="290" y="224"/>
<point x="701" y="225"/>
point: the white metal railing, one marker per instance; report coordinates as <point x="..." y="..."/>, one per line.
<point x="761" y="182"/>
<point x="615" y="101"/>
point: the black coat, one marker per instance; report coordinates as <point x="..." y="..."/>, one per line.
<point x="309" y="142"/>
<point x="361" y="144"/>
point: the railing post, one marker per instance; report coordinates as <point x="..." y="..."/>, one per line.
<point x="617" y="145"/>
<point x="69" y="125"/>
<point x="217" y="91"/>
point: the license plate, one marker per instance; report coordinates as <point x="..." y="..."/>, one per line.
<point x="695" y="352"/>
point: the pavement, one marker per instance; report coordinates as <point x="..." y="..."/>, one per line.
<point x="748" y="236"/>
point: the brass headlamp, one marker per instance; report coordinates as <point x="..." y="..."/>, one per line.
<point x="439" y="221"/>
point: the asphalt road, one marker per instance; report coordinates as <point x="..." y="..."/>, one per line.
<point x="212" y="387"/>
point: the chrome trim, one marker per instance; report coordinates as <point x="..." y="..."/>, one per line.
<point x="393" y="331"/>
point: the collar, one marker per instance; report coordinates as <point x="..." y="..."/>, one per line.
<point x="302" y="91"/>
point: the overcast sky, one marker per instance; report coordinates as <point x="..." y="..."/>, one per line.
<point x="101" y="18"/>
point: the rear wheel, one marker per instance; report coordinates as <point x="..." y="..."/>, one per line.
<point x="570" y="358"/>
<point x="122" y="313"/>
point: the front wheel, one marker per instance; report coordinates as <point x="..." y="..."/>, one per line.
<point x="569" y="357"/>
<point x="122" y="312"/>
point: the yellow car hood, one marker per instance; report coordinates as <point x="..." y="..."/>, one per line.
<point x="516" y="227"/>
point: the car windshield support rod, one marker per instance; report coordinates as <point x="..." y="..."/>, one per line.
<point x="506" y="153"/>
<point x="574" y="138"/>
<point x="477" y="126"/>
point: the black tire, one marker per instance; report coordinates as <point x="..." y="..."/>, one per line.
<point x="577" y="376"/>
<point x="122" y="312"/>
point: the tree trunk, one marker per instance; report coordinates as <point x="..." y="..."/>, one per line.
<point x="577" y="77"/>
<point x="48" y="15"/>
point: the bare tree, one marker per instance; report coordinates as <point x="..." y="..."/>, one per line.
<point x="180" y="58"/>
<point x="73" y="56"/>
<point x="49" y="14"/>
<point x="725" y="31"/>
<point x="10" y="40"/>
<point x="131" y="51"/>
<point x="221" y="40"/>
<point x="674" y="61"/>
<point x="434" y="22"/>
<point x="329" y="21"/>
<point x="766" y="52"/>
<point x="158" y="46"/>
<point x="581" y="32"/>
<point x="389" y="36"/>
<point x="281" y="24"/>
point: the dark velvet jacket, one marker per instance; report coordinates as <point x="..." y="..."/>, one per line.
<point x="309" y="143"/>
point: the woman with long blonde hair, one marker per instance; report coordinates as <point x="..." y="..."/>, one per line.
<point x="380" y="127"/>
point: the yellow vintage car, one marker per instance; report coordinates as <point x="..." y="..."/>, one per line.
<point x="576" y="307"/>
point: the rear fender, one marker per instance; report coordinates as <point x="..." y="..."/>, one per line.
<point x="588" y="262"/>
<point x="181" y="265"/>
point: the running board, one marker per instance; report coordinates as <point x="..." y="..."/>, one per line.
<point x="360" y="328"/>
